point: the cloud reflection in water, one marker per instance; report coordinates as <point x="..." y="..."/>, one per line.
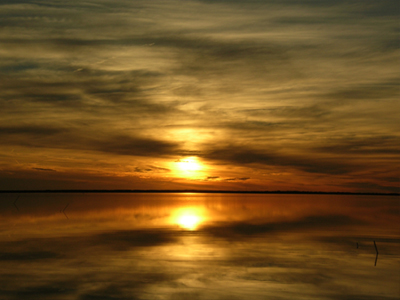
<point x="133" y="246"/>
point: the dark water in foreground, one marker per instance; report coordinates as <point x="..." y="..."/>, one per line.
<point x="198" y="246"/>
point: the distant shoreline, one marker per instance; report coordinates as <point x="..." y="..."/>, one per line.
<point x="196" y="192"/>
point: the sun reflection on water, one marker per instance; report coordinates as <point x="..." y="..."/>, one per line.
<point x="188" y="218"/>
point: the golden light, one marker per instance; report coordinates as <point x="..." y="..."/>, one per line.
<point x="188" y="218"/>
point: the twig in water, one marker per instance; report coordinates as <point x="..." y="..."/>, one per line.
<point x="63" y="211"/>
<point x="357" y="245"/>
<point x="376" y="249"/>
<point x="15" y="203"/>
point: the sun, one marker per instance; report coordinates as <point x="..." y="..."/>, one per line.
<point x="189" y="164"/>
<point x="189" y="167"/>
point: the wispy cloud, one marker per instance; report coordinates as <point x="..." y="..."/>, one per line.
<point x="132" y="78"/>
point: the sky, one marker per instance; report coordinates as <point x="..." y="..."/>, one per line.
<point x="221" y="95"/>
<point x="199" y="247"/>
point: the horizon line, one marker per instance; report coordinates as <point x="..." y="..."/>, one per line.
<point x="193" y="191"/>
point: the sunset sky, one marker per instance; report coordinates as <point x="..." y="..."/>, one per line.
<point x="212" y="94"/>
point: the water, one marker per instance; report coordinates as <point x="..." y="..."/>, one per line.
<point x="198" y="246"/>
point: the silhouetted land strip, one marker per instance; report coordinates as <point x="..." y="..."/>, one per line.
<point x="198" y="192"/>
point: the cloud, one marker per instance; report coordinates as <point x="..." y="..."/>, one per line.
<point x="376" y="145"/>
<point x="33" y="131"/>
<point x="359" y="297"/>
<point x="239" y="155"/>
<point x="237" y="179"/>
<point x="371" y="186"/>
<point x="44" y="169"/>
<point x="375" y="91"/>
<point x="135" y="146"/>
<point x="280" y="83"/>
<point x="151" y="169"/>
<point x="53" y="137"/>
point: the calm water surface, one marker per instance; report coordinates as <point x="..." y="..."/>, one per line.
<point x="198" y="246"/>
